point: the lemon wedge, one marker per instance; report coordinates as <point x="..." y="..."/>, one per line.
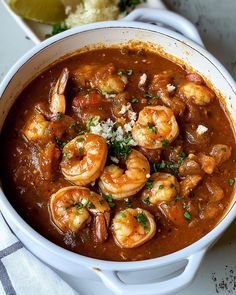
<point x="44" y="11"/>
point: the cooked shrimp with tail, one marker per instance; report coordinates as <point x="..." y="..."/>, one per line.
<point x="122" y="183"/>
<point x="133" y="227"/>
<point x="84" y="158"/>
<point x="73" y="207"/>
<point x="156" y="127"/>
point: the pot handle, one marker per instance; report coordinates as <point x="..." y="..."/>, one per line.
<point x="168" y="18"/>
<point x="113" y="282"/>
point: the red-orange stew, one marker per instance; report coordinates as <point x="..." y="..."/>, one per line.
<point x="119" y="154"/>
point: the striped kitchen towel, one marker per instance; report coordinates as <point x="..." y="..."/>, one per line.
<point x="23" y="274"/>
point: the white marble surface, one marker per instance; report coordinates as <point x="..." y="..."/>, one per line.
<point x="217" y="28"/>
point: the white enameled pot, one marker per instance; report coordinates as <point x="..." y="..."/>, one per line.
<point x="163" y="275"/>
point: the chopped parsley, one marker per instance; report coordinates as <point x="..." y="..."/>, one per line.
<point x="57" y="28"/>
<point x="177" y="198"/>
<point x="149" y="184"/>
<point x="146" y="201"/>
<point x="80" y="139"/>
<point x="125" y="72"/>
<point x="165" y="143"/>
<point x="66" y="154"/>
<point x="90" y="205"/>
<point x="92" y="121"/>
<point x="103" y="93"/>
<point x="187" y="215"/>
<point x="151" y="128"/>
<point x="80" y="132"/>
<point x="165" y="165"/>
<point x="60" y="142"/>
<point x="79" y="206"/>
<point x="150" y="96"/>
<point x="73" y="125"/>
<point x="231" y="181"/>
<point x="134" y="100"/>
<point x="109" y="199"/>
<point x="81" y="150"/>
<point x="129" y="72"/>
<point x="128" y="202"/>
<point x="59" y="116"/>
<point x="161" y="186"/>
<point x="181" y="156"/>
<point x="122" y="215"/>
<point x="142" y="219"/>
<point x="119" y="148"/>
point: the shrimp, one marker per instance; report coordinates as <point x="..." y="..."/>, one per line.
<point x="133" y="227"/>
<point x="71" y="206"/>
<point x="200" y="94"/>
<point x="163" y="188"/>
<point x="155" y="127"/>
<point x="162" y="86"/>
<point x="35" y="128"/>
<point x="104" y="78"/>
<point x="122" y="184"/>
<point x="84" y="158"/>
<point x="58" y="101"/>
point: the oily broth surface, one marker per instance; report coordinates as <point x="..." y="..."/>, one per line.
<point x="30" y="196"/>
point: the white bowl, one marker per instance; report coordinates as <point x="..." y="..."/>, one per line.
<point x="168" y="273"/>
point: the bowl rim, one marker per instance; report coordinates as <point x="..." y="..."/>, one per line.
<point x="27" y="230"/>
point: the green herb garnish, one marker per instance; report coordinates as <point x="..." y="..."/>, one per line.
<point x="151" y="128"/>
<point x="66" y="154"/>
<point x="142" y="219"/>
<point x="149" y="184"/>
<point x="231" y="181"/>
<point x="122" y="215"/>
<point x="146" y="201"/>
<point x="187" y="215"/>
<point x="109" y="199"/>
<point x="59" y="116"/>
<point x="129" y="72"/>
<point x="120" y="149"/>
<point x="125" y="72"/>
<point x="134" y="100"/>
<point x="161" y="186"/>
<point x="81" y="151"/>
<point x="80" y="139"/>
<point x="57" y="28"/>
<point x="103" y="93"/>
<point x="177" y="198"/>
<point x="165" y="143"/>
<point x="79" y="206"/>
<point x="73" y="125"/>
<point x="150" y="96"/>
<point x="90" y="205"/>
<point x="60" y="142"/>
<point x="80" y="132"/>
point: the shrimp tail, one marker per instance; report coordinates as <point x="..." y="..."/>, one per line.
<point x="101" y="223"/>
